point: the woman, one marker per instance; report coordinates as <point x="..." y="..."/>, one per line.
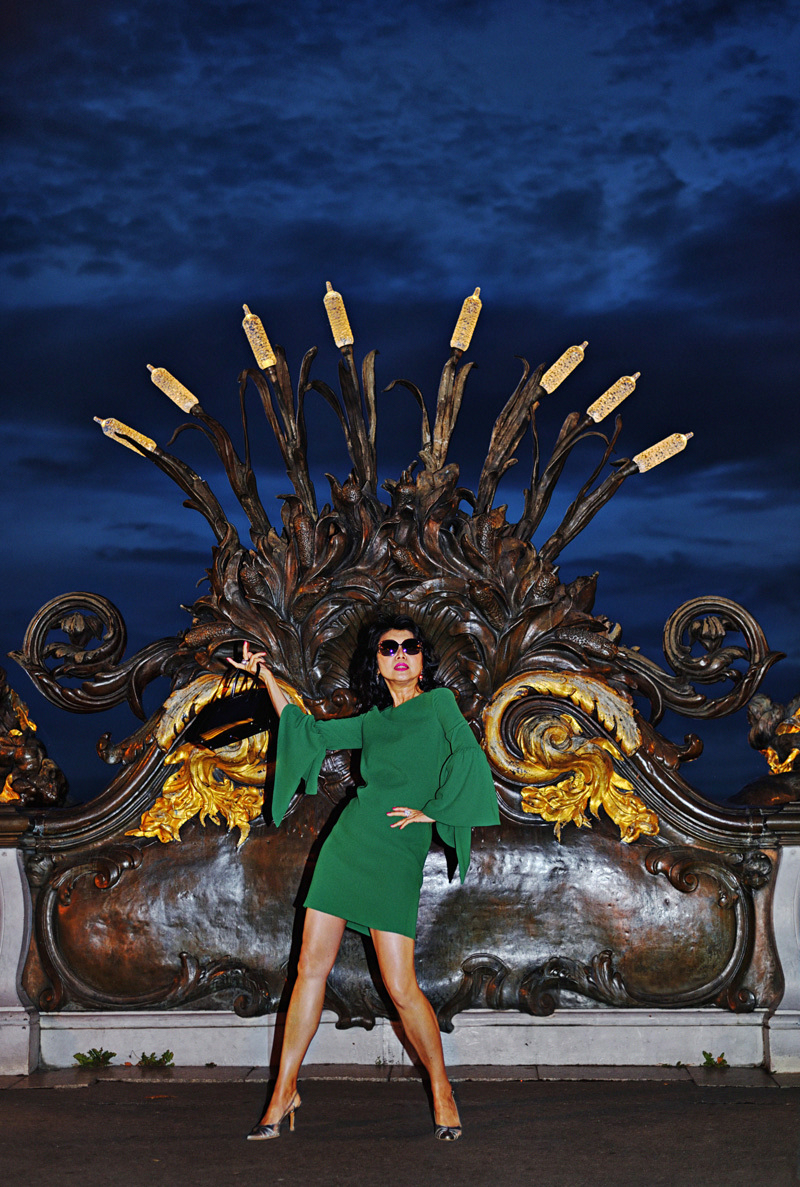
<point x="421" y="765"/>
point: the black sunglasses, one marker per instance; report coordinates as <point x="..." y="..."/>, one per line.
<point x="391" y="646"/>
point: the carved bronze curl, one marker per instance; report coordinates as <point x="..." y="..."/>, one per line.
<point x="484" y="977"/>
<point x="83" y="617"/>
<point x="705" y="622"/>
<point x="598" y="980"/>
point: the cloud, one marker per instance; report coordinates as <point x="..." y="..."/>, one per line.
<point x="735" y="240"/>
<point x="156" y="164"/>
<point x="679" y="25"/>
<point x="770" y="118"/>
<point x="171" y="556"/>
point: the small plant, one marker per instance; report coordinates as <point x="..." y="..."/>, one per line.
<point x="94" y="1057"/>
<point x="153" y="1060"/>
<point x="711" y="1061"/>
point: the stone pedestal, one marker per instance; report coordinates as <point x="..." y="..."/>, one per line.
<point x="783" y="1045"/>
<point x="19" y="1027"/>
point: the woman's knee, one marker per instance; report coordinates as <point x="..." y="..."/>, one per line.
<point x="401" y="986"/>
<point x="396" y="962"/>
<point x="314" y="964"/>
<point x="321" y="938"/>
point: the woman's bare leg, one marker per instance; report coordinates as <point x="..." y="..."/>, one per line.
<point x="322" y="935"/>
<point x="396" y="960"/>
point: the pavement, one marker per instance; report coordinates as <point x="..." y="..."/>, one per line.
<point x="552" y="1127"/>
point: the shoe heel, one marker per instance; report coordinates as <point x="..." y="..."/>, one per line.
<point x="265" y="1132"/>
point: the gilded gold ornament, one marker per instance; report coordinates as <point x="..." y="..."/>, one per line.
<point x="8" y="795"/>
<point x="566" y="773"/>
<point x="776" y="765"/>
<point x="227" y="782"/>
<point x="20" y="715"/>
<point x="208" y="784"/>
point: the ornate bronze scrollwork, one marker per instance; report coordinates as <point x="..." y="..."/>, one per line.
<point x="598" y="980"/>
<point x="703" y="622"/>
<point x="194" y="979"/>
<point x="735" y="875"/>
<point x="495" y="604"/>
<point x="84" y="617"/>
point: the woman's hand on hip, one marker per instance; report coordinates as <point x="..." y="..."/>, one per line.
<point x="409" y="816"/>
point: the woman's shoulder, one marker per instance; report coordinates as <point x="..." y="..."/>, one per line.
<point x="445" y="702"/>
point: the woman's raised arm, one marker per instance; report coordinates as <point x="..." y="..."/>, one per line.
<point x="254" y="663"/>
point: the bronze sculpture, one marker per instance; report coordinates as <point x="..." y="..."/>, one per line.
<point x="657" y="906"/>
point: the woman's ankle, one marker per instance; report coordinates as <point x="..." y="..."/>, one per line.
<point x="444" y="1101"/>
<point x="282" y="1097"/>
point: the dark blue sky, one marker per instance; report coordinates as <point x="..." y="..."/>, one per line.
<point x="625" y="173"/>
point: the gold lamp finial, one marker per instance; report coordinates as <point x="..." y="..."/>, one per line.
<point x="170" y="386"/>
<point x="661" y="451"/>
<point x="467" y="321"/>
<point x="562" y="367"/>
<point x="257" y="337"/>
<point x="612" y="398"/>
<point x="114" y="428"/>
<point x="337" y="316"/>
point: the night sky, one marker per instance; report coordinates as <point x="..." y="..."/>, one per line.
<point x="625" y="173"/>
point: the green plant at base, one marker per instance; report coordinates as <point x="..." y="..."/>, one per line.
<point x="153" y="1060"/>
<point x="710" y="1061"/>
<point x="95" y="1057"/>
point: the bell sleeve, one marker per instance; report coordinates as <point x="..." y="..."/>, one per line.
<point x="302" y="743"/>
<point x="466" y="796"/>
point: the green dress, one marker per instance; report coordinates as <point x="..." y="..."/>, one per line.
<point x="421" y="754"/>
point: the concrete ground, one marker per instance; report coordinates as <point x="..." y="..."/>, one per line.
<point x="549" y="1127"/>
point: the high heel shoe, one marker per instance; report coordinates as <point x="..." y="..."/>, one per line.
<point x="263" y="1133"/>
<point x="447" y="1133"/>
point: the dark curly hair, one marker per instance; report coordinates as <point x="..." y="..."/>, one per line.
<point x="365" y="679"/>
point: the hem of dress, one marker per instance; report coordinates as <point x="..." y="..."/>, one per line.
<point x="363" y="929"/>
